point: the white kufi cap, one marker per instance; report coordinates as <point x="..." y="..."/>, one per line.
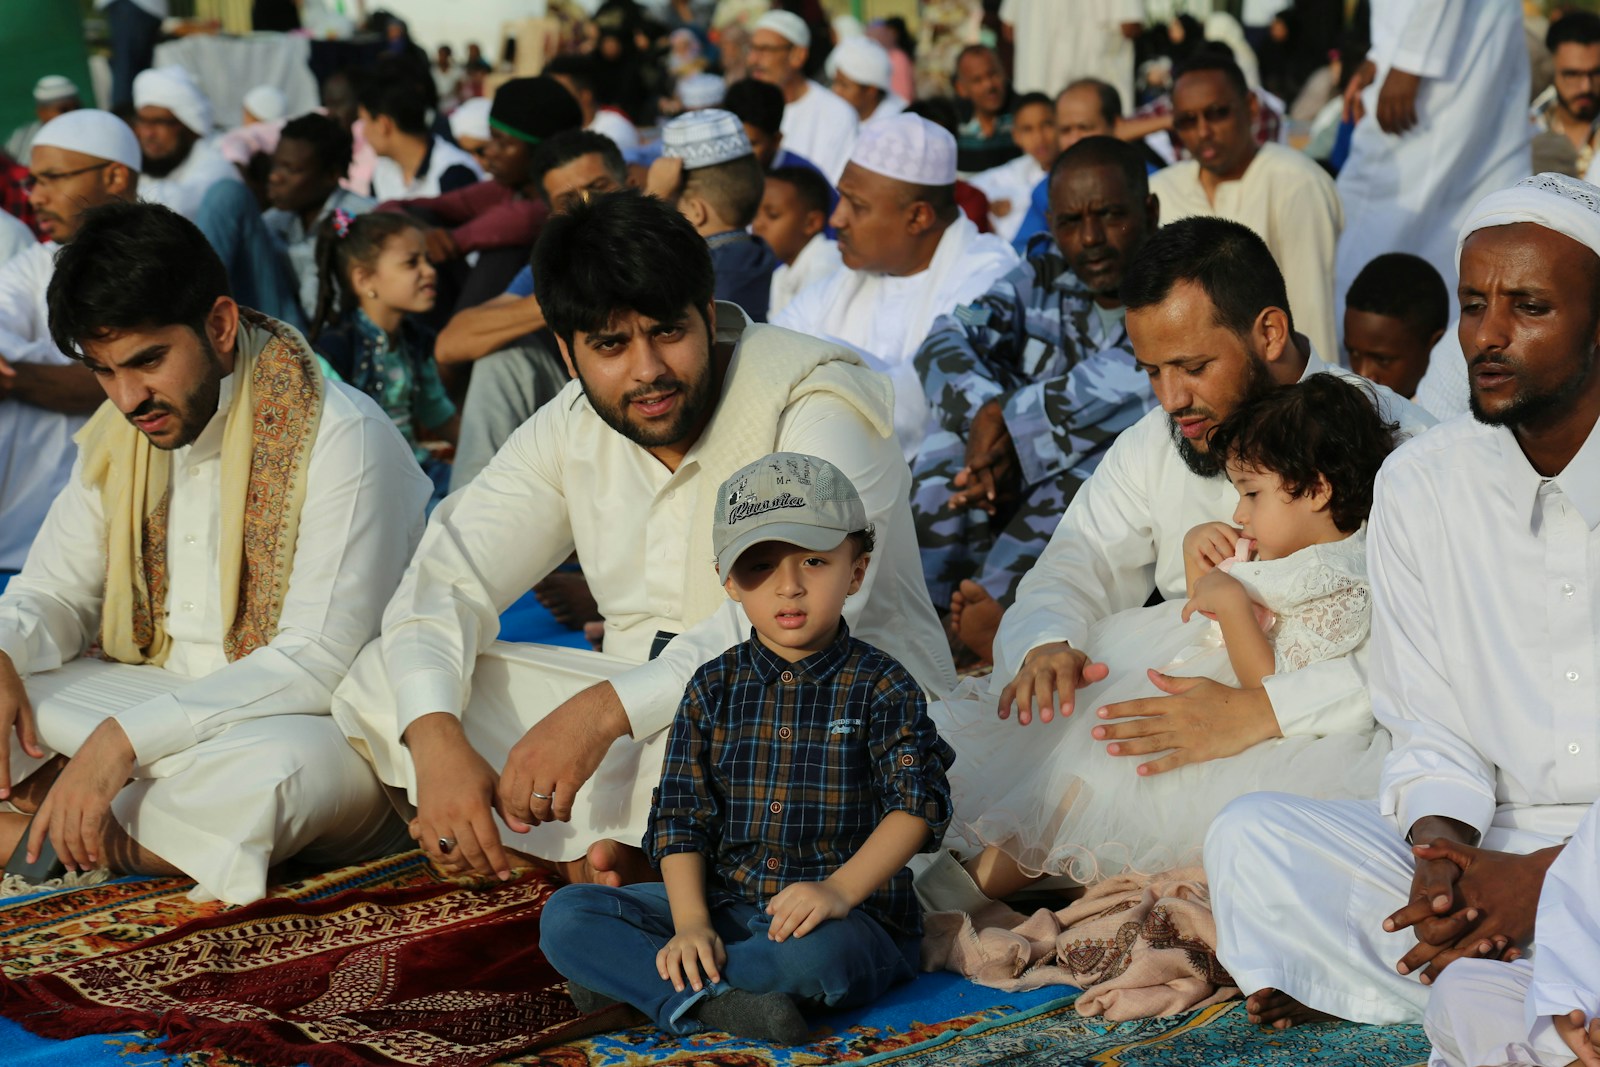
<point x="1566" y="205"/>
<point x="907" y="148"/>
<point x="862" y="60"/>
<point x="266" y="102"/>
<point x="174" y="88"/>
<point x="94" y="133"/>
<point x="53" y="87"/>
<point x="705" y="138"/>
<point x="471" y="119"/>
<point x="785" y="24"/>
<point x="701" y="90"/>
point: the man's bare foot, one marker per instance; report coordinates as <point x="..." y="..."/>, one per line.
<point x="609" y="863"/>
<point x="975" y="619"/>
<point x="595" y="634"/>
<point x="1271" y="1007"/>
<point x="28" y="794"/>
<point x="566" y="596"/>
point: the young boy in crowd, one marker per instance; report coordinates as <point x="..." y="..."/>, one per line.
<point x="709" y="172"/>
<point x="1395" y="312"/>
<point x="793" y="220"/>
<point x="1009" y="186"/>
<point x="801" y="774"/>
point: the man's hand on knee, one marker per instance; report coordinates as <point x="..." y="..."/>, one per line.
<point x="1050" y="677"/>
<point x="552" y="761"/>
<point x="16" y="713"/>
<point x="76" y="813"/>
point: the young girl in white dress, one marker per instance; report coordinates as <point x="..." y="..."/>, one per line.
<point x="1286" y="588"/>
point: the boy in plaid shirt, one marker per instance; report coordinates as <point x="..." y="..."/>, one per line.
<point x="801" y="774"/>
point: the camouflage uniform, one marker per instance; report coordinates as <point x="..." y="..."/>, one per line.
<point x="1068" y="385"/>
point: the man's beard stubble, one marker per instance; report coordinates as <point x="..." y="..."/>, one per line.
<point x="1206" y="464"/>
<point x="197" y="408"/>
<point x="697" y="396"/>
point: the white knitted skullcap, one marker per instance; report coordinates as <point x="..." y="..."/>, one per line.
<point x="907" y="148"/>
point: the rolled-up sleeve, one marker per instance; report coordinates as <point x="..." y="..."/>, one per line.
<point x="685" y="815"/>
<point x="909" y="756"/>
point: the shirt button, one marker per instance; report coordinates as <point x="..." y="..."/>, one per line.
<point x="772" y="864"/>
<point x="1573" y="748"/>
<point x="1572" y="676"/>
<point x="908" y="760"/>
<point x="785" y="733"/>
<point x="189" y="539"/>
<point x="775" y="807"/>
<point x="787" y="676"/>
<point x="672" y="494"/>
<point x="188" y="605"/>
<point x="194" y="472"/>
<point x="1566" y="589"/>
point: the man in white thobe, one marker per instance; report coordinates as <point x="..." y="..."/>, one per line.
<point x="79" y="160"/>
<point x="1122" y="535"/>
<point x="860" y="71"/>
<point x="228" y="575"/>
<point x="173" y="120"/>
<point x="622" y="466"/>
<point x="1443" y="98"/>
<point x="817" y="124"/>
<point x="1280" y="193"/>
<point x="1485" y="560"/>
<point x="1056" y="43"/>
<point x="909" y="254"/>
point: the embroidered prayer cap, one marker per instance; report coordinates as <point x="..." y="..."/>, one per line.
<point x="532" y="109"/>
<point x="701" y="91"/>
<point x="785" y="24"/>
<point x="862" y="60"/>
<point x="53" y="87"/>
<point x="471" y="120"/>
<point x="174" y="88"/>
<point x="1566" y="205"/>
<point x="705" y="138"/>
<point x="907" y="148"/>
<point x="789" y="497"/>
<point x="266" y="102"/>
<point x="94" y="133"/>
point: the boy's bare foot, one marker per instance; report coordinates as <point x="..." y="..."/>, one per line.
<point x="566" y="596"/>
<point x="975" y="619"/>
<point x="1271" y="1007"/>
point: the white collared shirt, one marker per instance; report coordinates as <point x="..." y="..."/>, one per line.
<point x="361" y="519"/>
<point x="1123" y="535"/>
<point x="818" y="259"/>
<point x="1486" y="631"/>
<point x="389" y="181"/>
<point x="1012" y="183"/>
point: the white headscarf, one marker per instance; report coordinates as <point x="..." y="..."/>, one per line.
<point x="1566" y="205"/>
<point x="174" y="88"/>
<point x="94" y="133"/>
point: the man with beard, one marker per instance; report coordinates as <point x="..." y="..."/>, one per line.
<point x="229" y="535"/>
<point x="1042" y="359"/>
<point x="1211" y="328"/>
<point x="673" y="393"/>
<point x="816" y="123"/>
<point x="1281" y="194"/>
<point x="79" y="160"/>
<point x="1565" y="114"/>
<point x="1485" y="559"/>
<point x="172" y="118"/>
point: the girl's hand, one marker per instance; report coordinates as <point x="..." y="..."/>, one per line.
<point x="690" y="952"/>
<point x="801" y="907"/>
<point x="1209" y="544"/>
<point x="1216" y="592"/>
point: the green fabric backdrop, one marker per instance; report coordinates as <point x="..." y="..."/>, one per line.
<point x="38" y="37"/>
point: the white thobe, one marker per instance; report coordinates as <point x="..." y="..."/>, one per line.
<point x="821" y="127"/>
<point x="238" y="766"/>
<point x="886" y="318"/>
<point x="1411" y="193"/>
<point x="1484" y="1013"/>
<point x="1055" y="46"/>
<point x="15" y="237"/>
<point x="1291" y="203"/>
<point x="1013" y="183"/>
<point x="818" y="259"/>
<point x="389" y="181"/>
<point x="1445" y="390"/>
<point x="891" y="105"/>
<point x="185" y="187"/>
<point x="1486" y="672"/>
<point x="616" y="126"/>
<point x="565" y="480"/>
<point x="36" y="449"/>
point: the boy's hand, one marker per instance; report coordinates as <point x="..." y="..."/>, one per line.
<point x="1209" y="544"/>
<point x="690" y="952"/>
<point x="800" y="908"/>
<point x="1216" y="592"/>
<point x="1583" y="1040"/>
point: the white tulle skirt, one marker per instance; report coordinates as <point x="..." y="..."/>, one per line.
<point x="1050" y="797"/>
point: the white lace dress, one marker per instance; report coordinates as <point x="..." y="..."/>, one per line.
<point x="1051" y="797"/>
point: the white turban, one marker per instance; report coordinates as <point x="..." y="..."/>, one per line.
<point x="908" y="148"/>
<point x="266" y="102"/>
<point x="471" y="119"/>
<point x="173" y="88"/>
<point x="94" y="133"/>
<point x="1566" y="205"/>
<point x="785" y="24"/>
<point x="862" y="60"/>
<point x="54" y="87"/>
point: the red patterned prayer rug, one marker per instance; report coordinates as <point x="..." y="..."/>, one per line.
<point x="442" y="974"/>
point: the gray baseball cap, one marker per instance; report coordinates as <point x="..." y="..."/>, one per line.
<point x="797" y="499"/>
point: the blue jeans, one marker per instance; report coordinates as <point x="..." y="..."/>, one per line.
<point x="134" y="32"/>
<point x="606" y="940"/>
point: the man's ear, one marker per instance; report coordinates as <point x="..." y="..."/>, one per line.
<point x="566" y="356"/>
<point x="222" y="329"/>
<point x="920" y="218"/>
<point x="1272" y="334"/>
<point x="119" y="181"/>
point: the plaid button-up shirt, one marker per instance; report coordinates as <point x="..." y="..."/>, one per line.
<point x="778" y="772"/>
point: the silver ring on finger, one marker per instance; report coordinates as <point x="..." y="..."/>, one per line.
<point x="543" y="796"/>
<point x="446" y="845"/>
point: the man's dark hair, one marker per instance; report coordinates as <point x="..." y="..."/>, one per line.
<point x="400" y="96"/>
<point x="939" y="110"/>
<point x="732" y="188"/>
<point x="1225" y="258"/>
<point x="1105" y="151"/>
<point x="1110" y="99"/>
<point x="572" y="145"/>
<point x="1029" y="100"/>
<point x="132" y="266"/>
<point x="809" y="186"/>
<point x="329" y="141"/>
<point x="1575" y="27"/>
<point x="1215" y="62"/>
<point x="580" y="69"/>
<point x="1405" y="287"/>
<point x="618" y="253"/>
<point x="757" y="103"/>
<point x="1322" y="427"/>
<point x="970" y="50"/>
